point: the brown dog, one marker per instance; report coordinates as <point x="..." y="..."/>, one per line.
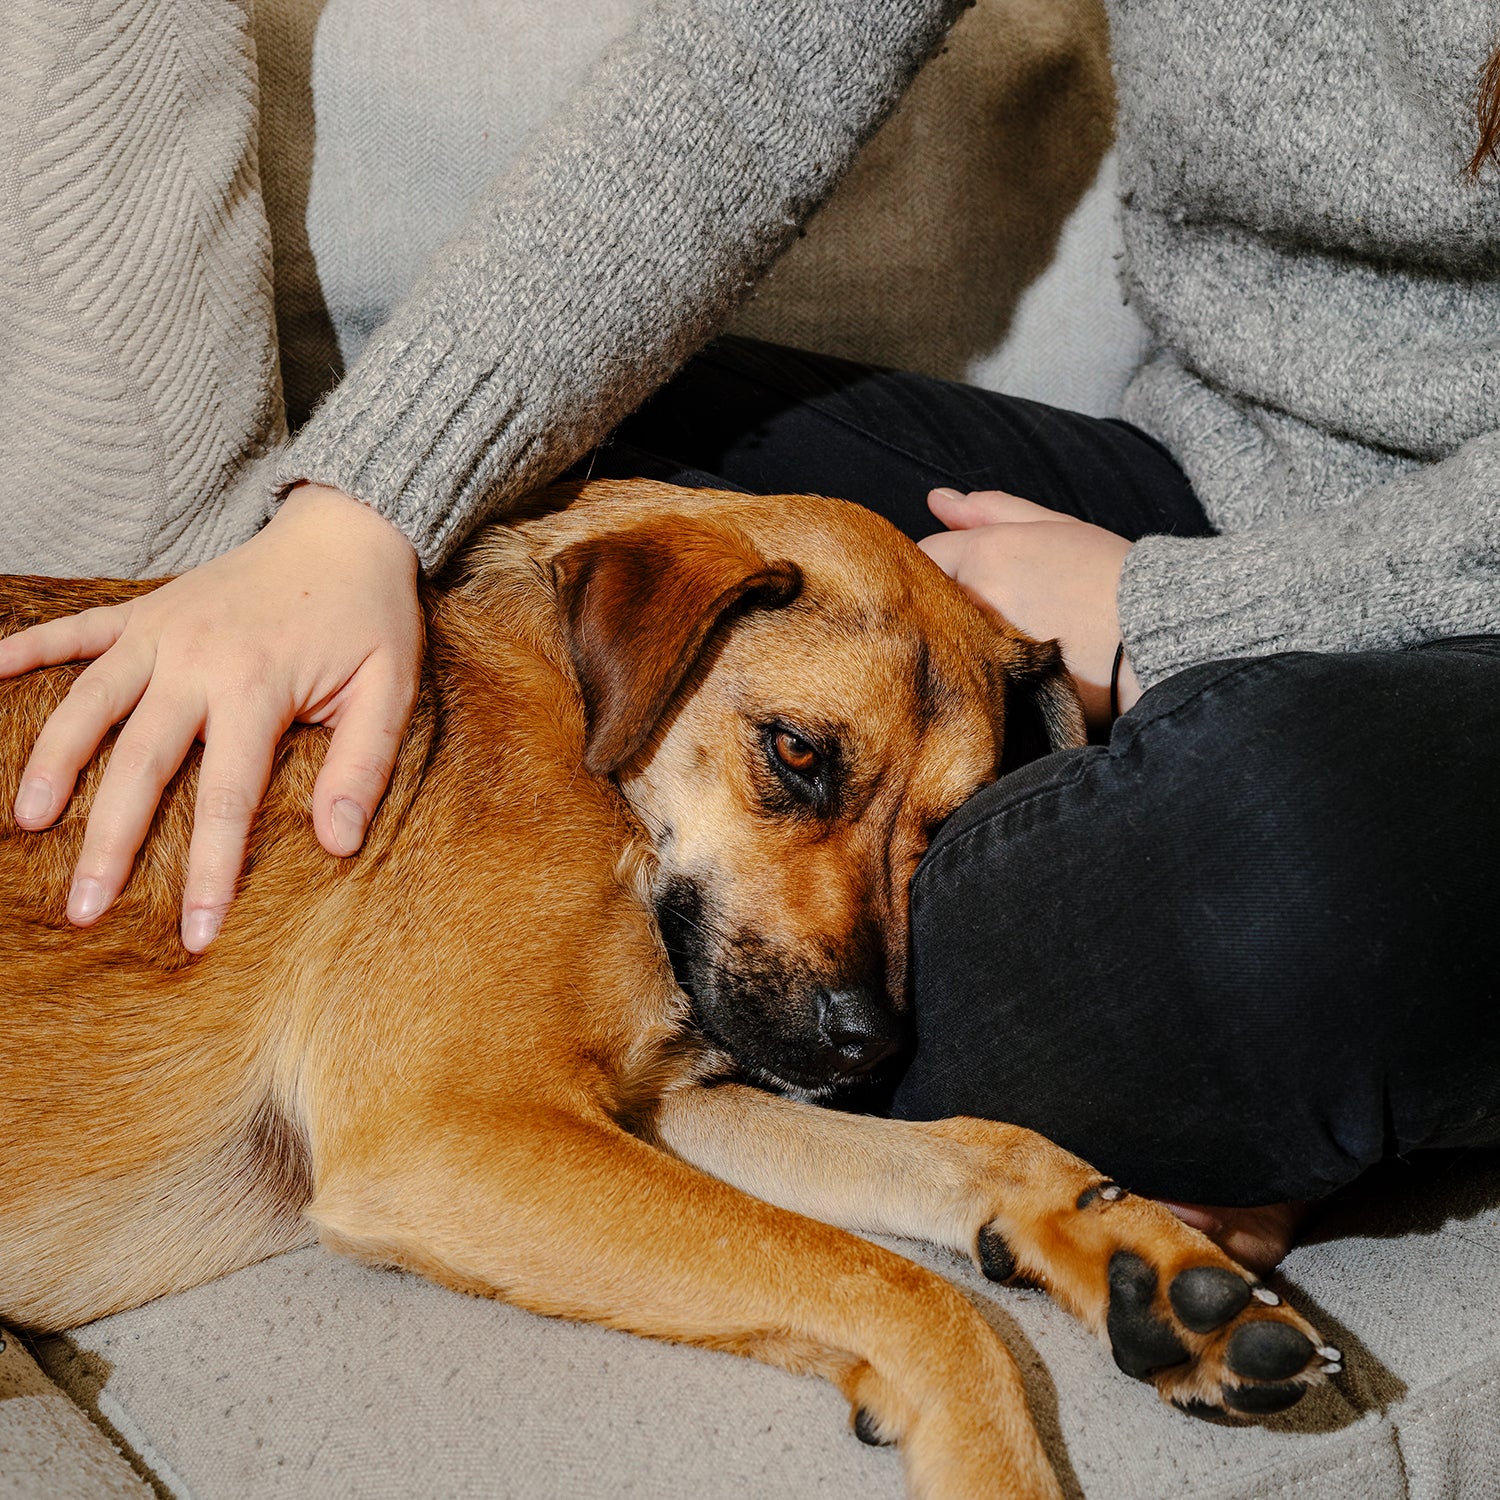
<point x="466" y="1052"/>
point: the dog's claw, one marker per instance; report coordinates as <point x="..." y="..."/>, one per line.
<point x="866" y="1431"/>
<point x="1109" y="1192"/>
<point x="1266" y="1295"/>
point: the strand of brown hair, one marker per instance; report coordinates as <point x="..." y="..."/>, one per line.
<point x="1487" y="108"/>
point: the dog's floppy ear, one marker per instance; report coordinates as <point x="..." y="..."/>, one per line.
<point x="1042" y="709"/>
<point x="638" y="607"/>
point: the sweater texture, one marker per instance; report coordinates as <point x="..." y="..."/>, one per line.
<point x="1323" y="286"/>
<point x="138" y="370"/>
<point x="621" y="241"/>
<point x="1321" y="282"/>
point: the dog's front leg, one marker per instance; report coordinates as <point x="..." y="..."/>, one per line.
<point x="571" y="1216"/>
<point x="1175" y="1309"/>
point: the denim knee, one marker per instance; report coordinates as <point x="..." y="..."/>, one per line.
<point x="1243" y="951"/>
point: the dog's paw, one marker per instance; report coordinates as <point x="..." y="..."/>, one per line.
<point x="1175" y="1309"/>
<point x="1213" y="1336"/>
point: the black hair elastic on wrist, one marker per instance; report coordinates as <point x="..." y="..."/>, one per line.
<point x="1114" y="682"/>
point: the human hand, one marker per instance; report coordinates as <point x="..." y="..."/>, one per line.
<point x="314" y="620"/>
<point x="1049" y="574"/>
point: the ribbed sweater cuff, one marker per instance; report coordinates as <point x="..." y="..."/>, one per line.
<point x="1406" y="562"/>
<point x="381" y="448"/>
<point x="1183" y="601"/>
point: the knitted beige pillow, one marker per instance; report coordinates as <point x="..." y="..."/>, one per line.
<point x="138" y="371"/>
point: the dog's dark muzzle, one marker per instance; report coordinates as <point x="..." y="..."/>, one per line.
<point x="785" y="1025"/>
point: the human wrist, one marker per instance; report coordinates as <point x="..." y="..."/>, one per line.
<point x="327" y="508"/>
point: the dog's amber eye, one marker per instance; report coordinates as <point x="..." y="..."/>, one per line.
<point x="795" y="753"/>
<point x="806" y="773"/>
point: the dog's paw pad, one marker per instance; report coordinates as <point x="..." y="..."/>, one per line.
<point x="1267" y="1350"/>
<point x="866" y="1430"/>
<point x="1142" y="1343"/>
<point x="1207" y="1297"/>
<point x="996" y="1259"/>
<point x="1262" y="1400"/>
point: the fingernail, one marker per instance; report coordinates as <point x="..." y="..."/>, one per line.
<point x="948" y="494"/>
<point x="199" y="928"/>
<point x="348" y="825"/>
<point x="85" y="900"/>
<point x="33" y="801"/>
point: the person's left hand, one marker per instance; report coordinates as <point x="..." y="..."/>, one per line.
<point x="1049" y="574"/>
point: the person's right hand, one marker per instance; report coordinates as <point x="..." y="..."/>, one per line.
<point x="314" y="620"/>
<point x="1049" y="574"/>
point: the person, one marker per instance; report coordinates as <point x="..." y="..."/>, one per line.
<point x="1237" y="953"/>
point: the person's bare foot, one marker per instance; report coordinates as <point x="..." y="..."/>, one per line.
<point x="1258" y="1238"/>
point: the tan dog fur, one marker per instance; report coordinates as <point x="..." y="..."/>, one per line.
<point x="464" y="1051"/>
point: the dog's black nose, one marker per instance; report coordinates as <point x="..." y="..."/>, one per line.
<point x="857" y="1030"/>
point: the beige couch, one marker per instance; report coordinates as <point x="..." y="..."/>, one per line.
<point x="975" y="240"/>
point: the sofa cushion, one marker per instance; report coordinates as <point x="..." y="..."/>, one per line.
<point x="47" y="1446"/>
<point x="309" y="1376"/>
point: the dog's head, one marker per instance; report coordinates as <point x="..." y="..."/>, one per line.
<point x="791" y="732"/>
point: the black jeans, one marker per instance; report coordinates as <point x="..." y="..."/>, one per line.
<point x="1236" y="955"/>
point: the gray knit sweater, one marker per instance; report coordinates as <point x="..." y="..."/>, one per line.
<point x="1322" y="283"/>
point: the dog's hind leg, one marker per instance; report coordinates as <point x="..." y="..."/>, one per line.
<point x="1175" y="1309"/>
<point x="571" y="1216"/>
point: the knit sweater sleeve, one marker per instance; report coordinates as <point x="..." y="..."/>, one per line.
<point x="620" y="242"/>
<point x="1411" y="560"/>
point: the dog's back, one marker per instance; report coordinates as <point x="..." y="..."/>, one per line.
<point x="153" y="1123"/>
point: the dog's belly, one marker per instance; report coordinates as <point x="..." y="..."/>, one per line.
<point x="113" y="1234"/>
<point x="141" y="1154"/>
